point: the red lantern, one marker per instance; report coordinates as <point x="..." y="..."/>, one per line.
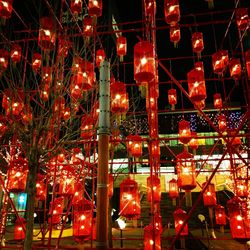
<point x="100" y="56"/>
<point x="152" y="238"/>
<point x="44" y="92"/>
<point x="17" y="175"/>
<point x="172" y="97"/>
<point x="222" y="122"/>
<point x="75" y="87"/>
<point x="15" y="53"/>
<point x="4" y="59"/>
<point x="129" y="199"/>
<point x="85" y="75"/>
<point x="247" y="56"/>
<point x="87" y="127"/>
<point x="236" y="140"/>
<point x="67" y="181"/>
<point x="150" y="7"/>
<point x="88" y="26"/>
<point x="111" y="186"/>
<point x="173" y="189"/>
<point x="47" y="34"/>
<point x="157" y="221"/>
<point x="76" y="6"/>
<point x="40" y="188"/>
<point x="155" y="149"/>
<point x="242" y="18"/>
<point x="56" y="210"/>
<point x="144" y="62"/>
<point x="154" y="189"/>
<point x="217" y="101"/>
<point x="121" y="47"/>
<point x="175" y="34"/>
<point x="235" y="68"/>
<point x="6" y="8"/>
<point x="36" y="61"/>
<point x="95" y="7"/>
<point x="220" y="215"/>
<point x="209" y="196"/>
<point x="66" y="114"/>
<point x="197" y="42"/>
<point x="153" y="132"/>
<point x="151" y="97"/>
<point x="19" y="229"/>
<point x="220" y="61"/>
<point x="241" y="188"/>
<point x="82" y="220"/>
<point x="186" y="171"/>
<point x="59" y="106"/>
<point x="78" y="194"/>
<point x="179" y="218"/>
<point x="184" y="131"/>
<point x="134" y="145"/>
<point x="193" y="143"/>
<point x="172" y="11"/>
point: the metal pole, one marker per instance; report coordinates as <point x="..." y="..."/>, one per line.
<point x="103" y="157"/>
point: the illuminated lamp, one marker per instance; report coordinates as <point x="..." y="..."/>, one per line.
<point x="79" y="193"/>
<point x="150" y="7"/>
<point x="220" y="61"/>
<point x="121" y="47"/>
<point x="173" y="189"/>
<point x="151" y="97"/>
<point x="15" y="53"/>
<point x="4" y="59"/>
<point x="154" y="189"/>
<point x="236" y="140"/>
<point x="17" y="175"/>
<point x="85" y="75"/>
<point x="197" y="42"/>
<point x="76" y="157"/>
<point x="19" y="229"/>
<point x="235" y="68"/>
<point x="200" y="104"/>
<point x="196" y="85"/>
<point x="175" y="34"/>
<point x="56" y="210"/>
<point x="88" y="26"/>
<point x="247" y="56"/>
<point x="157" y="221"/>
<point x="242" y="18"/>
<point x="241" y="188"/>
<point x="222" y="122"/>
<point x="144" y="62"/>
<point x="209" y="195"/>
<point x="220" y="215"/>
<point x="75" y="88"/>
<point x="36" y="61"/>
<point x="100" y="56"/>
<point x="59" y="106"/>
<point x="95" y="7"/>
<point x="6" y="8"/>
<point x="111" y="186"/>
<point x="129" y="199"/>
<point x="82" y="220"/>
<point x="172" y="11"/>
<point x="179" y="217"/>
<point x="153" y="121"/>
<point x="152" y="238"/>
<point x="134" y="145"/>
<point x="87" y="127"/>
<point x="66" y="114"/>
<point x="76" y="6"/>
<point x="44" y="92"/>
<point x="217" y="101"/>
<point x="67" y="181"/>
<point x="155" y="149"/>
<point x="46" y="75"/>
<point x="172" y="97"/>
<point x="184" y="131"/>
<point x="47" y="33"/>
<point x="40" y="188"/>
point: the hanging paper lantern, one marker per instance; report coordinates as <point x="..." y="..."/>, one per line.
<point x="66" y="114"/>
<point x="44" y="92"/>
<point x="82" y="220"/>
<point x="36" y="61"/>
<point x="173" y="189"/>
<point x="236" y="140"/>
<point x="6" y="8"/>
<point x="88" y="26"/>
<point x="129" y="199"/>
<point x="47" y="33"/>
<point x="56" y="210"/>
<point x="220" y="215"/>
<point x="247" y="56"/>
<point x="95" y="7"/>
<point x="67" y="181"/>
<point x="17" y="175"/>
<point x="79" y="192"/>
<point x="222" y="122"/>
<point x="172" y="11"/>
<point x="220" y="61"/>
<point x="186" y="171"/>
<point x="153" y="132"/>
<point x="76" y="6"/>
<point x="100" y="56"/>
<point x="175" y="34"/>
<point x="151" y="97"/>
<point x="155" y="149"/>
<point x="179" y="218"/>
<point x="85" y="75"/>
<point x="40" y="188"/>
<point x="209" y="196"/>
<point x="197" y="42"/>
<point x="157" y="222"/>
<point x="4" y="59"/>
<point x="134" y="145"/>
<point x="75" y="87"/>
<point x="217" y="101"/>
<point x="193" y="143"/>
<point x="152" y="238"/>
<point x="184" y="131"/>
<point x="144" y="62"/>
<point x="121" y="47"/>
<point x="15" y="53"/>
<point x="172" y="97"/>
<point x="235" y="68"/>
<point x="111" y="186"/>
<point x="19" y="229"/>
<point x="150" y="7"/>
<point x="154" y="189"/>
<point x="87" y="127"/>
<point x="242" y="18"/>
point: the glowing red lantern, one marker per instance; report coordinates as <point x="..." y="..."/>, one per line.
<point x="172" y="11"/>
<point x="129" y="199"/>
<point x="19" y="229"/>
<point x="87" y="127"/>
<point x="88" y="26"/>
<point x="36" y="61"/>
<point x="134" y="145"/>
<point x="242" y="18"/>
<point x="197" y="42"/>
<point x="153" y="132"/>
<point x="56" y="210"/>
<point x="121" y="47"/>
<point x="175" y="34"/>
<point x="100" y="56"/>
<point x="76" y="6"/>
<point x="47" y="34"/>
<point x="4" y="59"/>
<point x="173" y="189"/>
<point x="247" y="56"/>
<point x="236" y="140"/>
<point x="220" y="215"/>
<point x="82" y="220"/>
<point x="154" y="189"/>
<point x="15" y="53"/>
<point x="179" y="217"/>
<point x="85" y="75"/>
<point x="217" y="101"/>
<point x="78" y="194"/>
<point x="157" y="221"/>
<point x="40" y="188"/>
<point x="95" y="7"/>
<point x="220" y="61"/>
<point x="222" y="122"/>
<point x="151" y="97"/>
<point x="44" y="92"/>
<point x="184" y="131"/>
<point x="209" y="196"/>
<point x="6" y="8"/>
<point x="75" y="87"/>
<point x="66" y="114"/>
<point x="150" y="7"/>
<point x="144" y="62"/>
<point x="67" y="181"/>
<point x="59" y="106"/>
<point x="172" y="97"/>
<point x="193" y="143"/>
<point x="235" y="68"/>
<point x="155" y="149"/>
<point x="17" y="175"/>
<point x="152" y="238"/>
<point x="111" y="186"/>
<point x="186" y="171"/>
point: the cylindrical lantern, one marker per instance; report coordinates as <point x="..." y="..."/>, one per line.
<point x="36" y="61"/>
<point x="6" y="8"/>
<point x="4" y="59"/>
<point x="154" y="189"/>
<point x="150" y="7"/>
<point x="100" y="56"/>
<point x="236" y="140"/>
<point x="85" y="75"/>
<point x="47" y="33"/>
<point x="19" y="229"/>
<point x="40" y="188"/>
<point x="16" y="53"/>
<point x="156" y="220"/>
<point x="172" y="11"/>
<point x="152" y="238"/>
<point x="179" y="218"/>
<point x="217" y="101"/>
<point x="193" y="143"/>
<point x="220" y="215"/>
<point x="111" y="186"/>
<point x="242" y="18"/>
<point x="76" y="6"/>
<point x="184" y="131"/>
<point x="121" y="46"/>
<point x="172" y="97"/>
<point x="79" y="193"/>
<point x="87" y="127"/>
<point x="155" y="149"/>
<point x="56" y="210"/>
<point x="197" y="42"/>
<point x="235" y="68"/>
<point x="175" y="34"/>
<point x="134" y="145"/>
<point x="129" y="199"/>
<point x="220" y="61"/>
<point x="144" y="62"/>
<point x="95" y="7"/>
<point x="247" y="56"/>
<point x="67" y="181"/>
<point x="222" y="122"/>
<point x="209" y="196"/>
<point x="88" y="26"/>
<point x="173" y="189"/>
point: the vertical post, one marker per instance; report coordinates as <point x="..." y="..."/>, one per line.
<point x="103" y="157"/>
